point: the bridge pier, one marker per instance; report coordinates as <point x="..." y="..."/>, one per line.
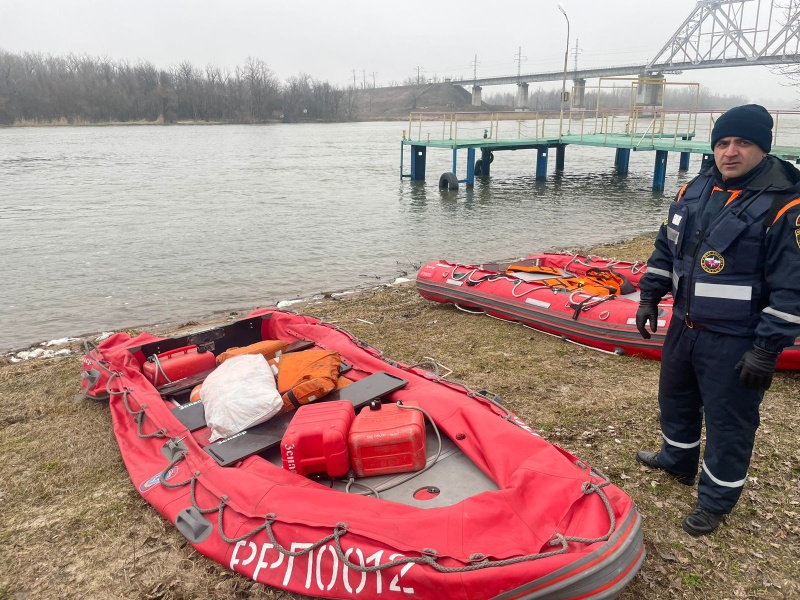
<point x="578" y="93"/>
<point x="684" y="164"/>
<point x="476" y="95"/>
<point x="650" y="90"/>
<point x="522" y="95"/>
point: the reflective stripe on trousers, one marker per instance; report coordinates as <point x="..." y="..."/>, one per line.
<point x="699" y="379"/>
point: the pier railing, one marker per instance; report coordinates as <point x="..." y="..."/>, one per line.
<point x="599" y="127"/>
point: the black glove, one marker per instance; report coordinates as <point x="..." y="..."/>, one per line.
<point x="647" y="311"/>
<point x="757" y="367"/>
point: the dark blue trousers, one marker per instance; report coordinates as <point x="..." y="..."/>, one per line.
<point x="699" y="378"/>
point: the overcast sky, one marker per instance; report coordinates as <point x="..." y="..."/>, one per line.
<point x="375" y="40"/>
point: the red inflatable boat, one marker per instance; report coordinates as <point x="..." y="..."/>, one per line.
<point x="497" y="511"/>
<point x="562" y="295"/>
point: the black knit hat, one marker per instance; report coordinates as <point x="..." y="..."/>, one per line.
<point x="750" y="122"/>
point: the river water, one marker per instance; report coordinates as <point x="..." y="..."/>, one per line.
<point x="109" y="227"/>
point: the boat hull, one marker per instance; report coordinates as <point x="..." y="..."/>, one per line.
<point x="582" y="538"/>
<point x="607" y="324"/>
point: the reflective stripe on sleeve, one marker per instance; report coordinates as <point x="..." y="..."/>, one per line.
<point x="660" y="272"/>
<point x="782" y="315"/>
<point x="672" y="235"/>
<point x="728" y="484"/>
<point x="717" y="290"/>
<point x="680" y="444"/>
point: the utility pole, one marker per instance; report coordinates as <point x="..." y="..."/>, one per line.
<point x="373" y="79"/>
<point x="575" y="52"/>
<point x="354" y="79"/>
<point x="418" y="73"/>
<point x="363" y="79"/>
<point x="519" y="58"/>
<point x="475" y="64"/>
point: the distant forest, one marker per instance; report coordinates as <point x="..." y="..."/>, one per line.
<point x="79" y="88"/>
<point x="73" y="89"/>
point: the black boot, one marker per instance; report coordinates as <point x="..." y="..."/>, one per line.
<point x="701" y="522"/>
<point x="650" y="459"/>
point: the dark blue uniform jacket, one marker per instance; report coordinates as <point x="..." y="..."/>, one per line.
<point x="730" y="254"/>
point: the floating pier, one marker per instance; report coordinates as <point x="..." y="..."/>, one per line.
<point x="659" y="131"/>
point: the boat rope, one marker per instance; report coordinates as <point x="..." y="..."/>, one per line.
<point x="428" y="556"/>
<point x="467" y="310"/>
<point x="138" y="415"/>
<point x="92" y="351"/>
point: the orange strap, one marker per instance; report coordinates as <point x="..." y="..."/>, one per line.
<point x="532" y="269"/>
<point x="794" y="202"/>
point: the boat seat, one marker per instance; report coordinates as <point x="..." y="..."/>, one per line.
<point x="268" y="435"/>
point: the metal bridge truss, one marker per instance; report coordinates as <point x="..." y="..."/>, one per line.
<point x="722" y="33"/>
<point x="718" y="33"/>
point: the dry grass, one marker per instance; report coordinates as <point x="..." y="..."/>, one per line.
<point x="74" y="526"/>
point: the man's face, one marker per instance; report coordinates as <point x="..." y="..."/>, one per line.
<point x="736" y="156"/>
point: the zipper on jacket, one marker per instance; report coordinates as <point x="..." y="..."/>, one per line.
<point x="701" y="235"/>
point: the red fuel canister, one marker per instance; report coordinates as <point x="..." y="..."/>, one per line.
<point x="389" y="440"/>
<point x="316" y="439"/>
<point x="177" y="364"/>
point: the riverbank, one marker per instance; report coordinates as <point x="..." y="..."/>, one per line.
<point x="74" y="525"/>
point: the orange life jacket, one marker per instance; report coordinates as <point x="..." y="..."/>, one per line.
<point x="268" y="349"/>
<point x="304" y="377"/>
<point x="596" y="282"/>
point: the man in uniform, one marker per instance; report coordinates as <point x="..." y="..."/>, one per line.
<point x="729" y="252"/>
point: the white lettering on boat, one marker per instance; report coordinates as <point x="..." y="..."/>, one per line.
<point x="289" y="454"/>
<point x="525" y="426"/>
<point x="321" y="572"/>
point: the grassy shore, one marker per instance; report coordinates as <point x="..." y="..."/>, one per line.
<point x="73" y="525"/>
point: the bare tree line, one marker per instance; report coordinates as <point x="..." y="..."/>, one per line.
<point x="81" y="88"/>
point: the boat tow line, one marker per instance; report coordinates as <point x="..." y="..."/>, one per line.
<point x="428" y="556"/>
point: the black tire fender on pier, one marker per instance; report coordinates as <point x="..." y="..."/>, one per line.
<point x="478" y="168"/>
<point x="448" y="181"/>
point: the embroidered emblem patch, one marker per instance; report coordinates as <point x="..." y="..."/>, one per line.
<point x="797" y="236"/>
<point x="797" y="221"/>
<point x="712" y="262"/>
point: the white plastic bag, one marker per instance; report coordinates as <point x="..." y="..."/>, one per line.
<point x="238" y="394"/>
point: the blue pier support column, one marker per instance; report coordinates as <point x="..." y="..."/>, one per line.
<point x="622" y="160"/>
<point x="470" y="167"/>
<point x="455" y="160"/>
<point x="418" y="163"/>
<point x="541" y="162"/>
<point x="561" y="150"/>
<point x="660" y="170"/>
<point x="684" y="164"/>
